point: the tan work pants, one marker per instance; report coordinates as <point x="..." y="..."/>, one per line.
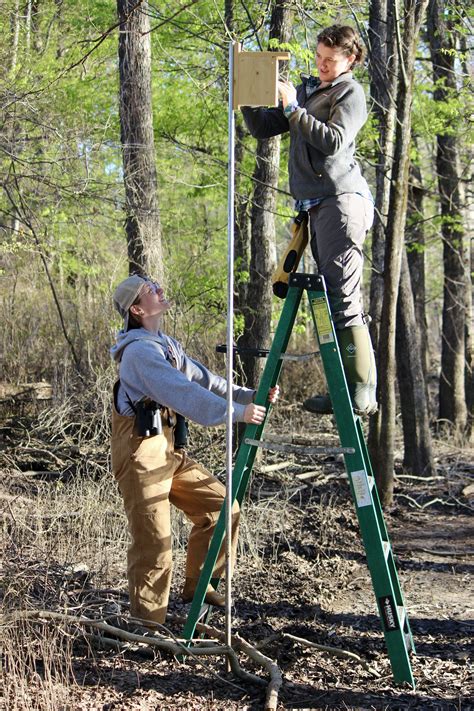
<point x="150" y="475"/>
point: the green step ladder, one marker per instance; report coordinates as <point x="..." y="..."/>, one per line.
<point x="380" y="560"/>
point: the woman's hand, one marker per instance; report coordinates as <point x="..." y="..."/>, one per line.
<point x="287" y="92"/>
<point x="274" y="394"/>
<point x="254" y="414"/>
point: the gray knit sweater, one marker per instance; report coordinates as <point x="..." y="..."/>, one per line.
<point x="322" y="137"/>
<point x="146" y="371"/>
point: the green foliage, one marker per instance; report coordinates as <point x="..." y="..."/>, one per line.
<point x="60" y="155"/>
<point x="301" y="57"/>
<point x="444" y="118"/>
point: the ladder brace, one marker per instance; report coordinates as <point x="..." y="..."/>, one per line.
<point x="297" y="448"/>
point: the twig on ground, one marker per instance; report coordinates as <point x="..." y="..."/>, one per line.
<point x="267" y="468"/>
<point x="239" y="644"/>
<point x="343" y="653"/>
<point x="428" y="503"/>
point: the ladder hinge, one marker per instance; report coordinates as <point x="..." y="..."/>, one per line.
<point x="313" y="282"/>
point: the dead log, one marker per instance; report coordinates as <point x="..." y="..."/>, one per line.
<point x="26" y="391"/>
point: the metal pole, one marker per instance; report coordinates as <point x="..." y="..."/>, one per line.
<point x="230" y="350"/>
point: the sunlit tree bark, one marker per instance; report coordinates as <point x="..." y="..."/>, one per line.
<point x="407" y="38"/>
<point x="452" y="386"/>
<point x="142" y="222"/>
<point x="258" y="307"/>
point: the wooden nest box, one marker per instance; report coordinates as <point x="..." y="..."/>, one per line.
<point x="256" y="77"/>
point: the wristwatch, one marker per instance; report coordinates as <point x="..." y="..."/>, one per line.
<point x="290" y="108"/>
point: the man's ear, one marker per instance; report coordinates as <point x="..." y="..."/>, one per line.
<point x="136" y="310"/>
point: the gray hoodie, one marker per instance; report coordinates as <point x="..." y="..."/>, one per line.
<point x="146" y="371"/>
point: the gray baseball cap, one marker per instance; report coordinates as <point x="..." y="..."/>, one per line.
<point x="125" y="294"/>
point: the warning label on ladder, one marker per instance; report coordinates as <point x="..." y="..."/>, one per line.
<point x="323" y="322"/>
<point x="361" y="488"/>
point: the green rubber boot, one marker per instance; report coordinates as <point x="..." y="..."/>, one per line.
<point x="359" y="366"/>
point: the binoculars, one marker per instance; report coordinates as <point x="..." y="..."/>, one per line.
<point x="148" y="419"/>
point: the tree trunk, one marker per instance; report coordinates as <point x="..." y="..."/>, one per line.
<point x="452" y="390"/>
<point x="418" y="450"/>
<point x="241" y="200"/>
<point x="466" y="189"/>
<point x="258" y="306"/>
<point x="259" y="296"/>
<point x="383" y="69"/>
<point x="15" y="25"/>
<point x="414" y="10"/>
<point x="416" y="246"/>
<point x="142" y="223"/>
<point x="242" y="234"/>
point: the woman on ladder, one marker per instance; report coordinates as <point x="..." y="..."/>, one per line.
<point x="323" y="116"/>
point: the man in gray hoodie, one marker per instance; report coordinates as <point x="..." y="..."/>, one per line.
<point x="156" y="375"/>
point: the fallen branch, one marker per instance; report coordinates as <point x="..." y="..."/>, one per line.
<point x="432" y="551"/>
<point x="321" y="479"/>
<point x="344" y="653"/>
<point x="419" y="478"/>
<point x="176" y="647"/>
<point x="428" y="503"/>
<point x="240" y="645"/>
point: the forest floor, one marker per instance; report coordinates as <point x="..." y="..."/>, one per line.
<point x="301" y="572"/>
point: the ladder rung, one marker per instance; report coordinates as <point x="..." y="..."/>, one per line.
<point x="386" y="548"/>
<point x="299" y="357"/>
<point x="297" y="448"/>
<point x="408" y="641"/>
<point x="371" y="481"/>
<point x="288" y="438"/>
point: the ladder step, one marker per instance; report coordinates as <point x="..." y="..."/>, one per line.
<point x="299" y="357"/>
<point x="297" y="448"/>
<point x="386" y="548"/>
<point x="292" y="438"/>
<point x="264" y="353"/>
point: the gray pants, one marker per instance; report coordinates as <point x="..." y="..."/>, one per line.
<point x="338" y="227"/>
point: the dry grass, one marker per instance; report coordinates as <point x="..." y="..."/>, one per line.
<point x="64" y="536"/>
<point x="37" y="671"/>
